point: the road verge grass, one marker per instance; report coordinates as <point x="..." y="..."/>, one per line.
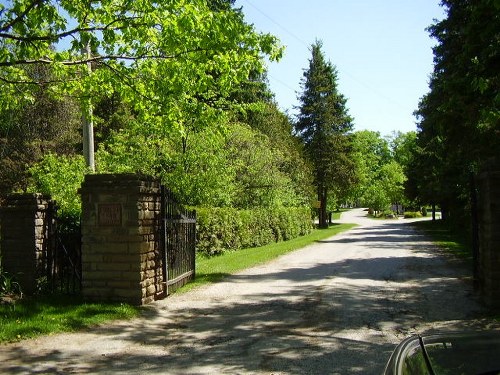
<point x="212" y="269"/>
<point x="449" y="240"/>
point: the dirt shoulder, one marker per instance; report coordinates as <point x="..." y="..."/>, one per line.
<point x="336" y="307"/>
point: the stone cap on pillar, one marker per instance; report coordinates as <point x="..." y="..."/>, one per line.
<point x="23" y="201"/>
<point x="117" y="181"/>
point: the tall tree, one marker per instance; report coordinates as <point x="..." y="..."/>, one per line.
<point x="170" y="60"/>
<point x="459" y="119"/>
<point x="323" y="124"/>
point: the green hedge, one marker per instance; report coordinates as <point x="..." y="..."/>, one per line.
<point x="223" y="229"/>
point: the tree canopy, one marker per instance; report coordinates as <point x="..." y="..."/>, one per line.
<point x="171" y="61"/>
<point x="179" y="91"/>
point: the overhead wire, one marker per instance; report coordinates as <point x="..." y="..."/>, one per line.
<point x="344" y="71"/>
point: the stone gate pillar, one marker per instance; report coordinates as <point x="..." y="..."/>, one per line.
<point x="24" y="227"/>
<point x="489" y="234"/>
<point x="121" y="259"/>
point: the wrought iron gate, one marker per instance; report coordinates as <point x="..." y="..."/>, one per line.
<point x="63" y="253"/>
<point x="178" y="239"/>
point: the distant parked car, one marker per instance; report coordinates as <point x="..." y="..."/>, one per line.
<point x="443" y="354"/>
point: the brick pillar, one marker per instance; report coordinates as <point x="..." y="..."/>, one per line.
<point x="25" y="220"/>
<point x="121" y="259"/>
<point x="489" y="235"/>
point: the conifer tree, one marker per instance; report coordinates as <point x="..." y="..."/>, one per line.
<point x="459" y="119"/>
<point x="323" y="125"/>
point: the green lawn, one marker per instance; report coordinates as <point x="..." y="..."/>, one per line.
<point x="33" y="317"/>
<point x="43" y="315"/>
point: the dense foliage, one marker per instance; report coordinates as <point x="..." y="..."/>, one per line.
<point x="223" y="229"/>
<point x="176" y="89"/>
<point x="459" y="119"/>
<point x="173" y="62"/>
<point x="34" y="129"/>
<point x="382" y="168"/>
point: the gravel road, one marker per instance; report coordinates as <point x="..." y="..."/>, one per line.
<point x="336" y="307"/>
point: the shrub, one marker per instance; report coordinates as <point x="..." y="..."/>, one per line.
<point x="8" y="283"/>
<point x="224" y="229"/>
<point x="412" y="214"/>
<point x="60" y="176"/>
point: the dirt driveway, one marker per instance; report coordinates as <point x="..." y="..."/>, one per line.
<point x="336" y="307"/>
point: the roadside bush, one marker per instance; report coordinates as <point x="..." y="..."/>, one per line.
<point x="225" y="229"/>
<point x="412" y="214"/>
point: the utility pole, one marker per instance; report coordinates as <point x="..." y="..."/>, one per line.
<point x="87" y="122"/>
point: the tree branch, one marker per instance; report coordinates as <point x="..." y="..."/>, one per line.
<point x="127" y="80"/>
<point x="102" y="58"/>
<point x="22" y="15"/>
<point x="56" y="37"/>
<point x="35" y="83"/>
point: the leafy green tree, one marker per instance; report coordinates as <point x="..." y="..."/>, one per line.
<point x="257" y="108"/>
<point x="381" y="167"/>
<point x="386" y="188"/>
<point x="402" y="146"/>
<point x="198" y="171"/>
<point x="32" y="129"/>
<point x="370" y="153"/>
<point x="403" y="149"/>
<point x="265" y="117"/>
<point x="260" y="179"/>
<point x="170" y="60"/>
<point x="376" y="197"/>
<point x="111" y="115"/>
<point x="392" y="179"/>
<point x="323" y="125"/>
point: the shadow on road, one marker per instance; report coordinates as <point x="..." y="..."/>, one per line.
<point x="334" y="321"/>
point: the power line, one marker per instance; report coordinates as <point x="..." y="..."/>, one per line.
<point x="277" y="24"/>
<point x="344" y="71"/>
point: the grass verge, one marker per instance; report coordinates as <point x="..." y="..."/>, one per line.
<point x="41" y="315"/>
<point x="444" y="237"/>
<point x="213" y="269"/>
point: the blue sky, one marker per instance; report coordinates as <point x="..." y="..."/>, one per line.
<point x="381" y="49"/>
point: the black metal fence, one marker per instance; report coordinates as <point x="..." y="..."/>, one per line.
<point x="63" y="254"/>
<point x="178" y="242"/>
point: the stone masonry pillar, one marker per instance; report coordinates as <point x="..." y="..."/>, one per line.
<point x="25" y="224"/>
<point x="489" y="235"/>
<point x="121" y="259"/>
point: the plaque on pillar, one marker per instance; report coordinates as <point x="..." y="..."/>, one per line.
<point x="109" y="214"/>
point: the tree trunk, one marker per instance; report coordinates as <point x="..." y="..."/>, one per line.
<point x="475" y="229"/>
<point x="322" y="197"/>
